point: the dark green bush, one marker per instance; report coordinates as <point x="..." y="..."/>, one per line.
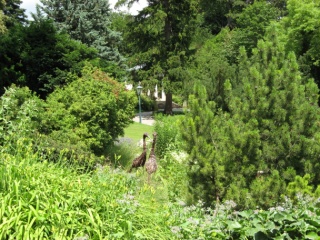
<point x="147" y="104"/>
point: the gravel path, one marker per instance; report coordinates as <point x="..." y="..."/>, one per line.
<point x="146" y="118"/>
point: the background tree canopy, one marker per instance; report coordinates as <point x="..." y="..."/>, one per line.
<point x="90" y="23"/>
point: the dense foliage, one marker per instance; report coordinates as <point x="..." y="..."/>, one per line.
<point x="271" y="127"/>
<point x="91" y="111"/>
<point x="78" y="123"/>
<point x="38" y="57"/>
<point x="160" y="37"/>
<point x="14" y="14"/>
<point x="2" y="17"/>
<point x="43" y="200"/>
<point x="169" y="137"/>
<point x="90" y="23"/>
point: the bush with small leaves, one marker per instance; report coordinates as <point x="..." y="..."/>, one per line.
<point x="89" y="114"/>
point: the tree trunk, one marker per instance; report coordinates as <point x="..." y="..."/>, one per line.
<point x="168" y="105"/>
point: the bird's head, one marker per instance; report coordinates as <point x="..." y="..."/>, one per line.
<point x="145" y="135"/>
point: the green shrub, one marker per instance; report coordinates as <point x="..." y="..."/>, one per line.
<point x="272" y="124"/>
<point x="147" y="104"/>
<point x="43" y="200"/>
<point x="173" y="173"/>
<point x="300" y="186"/>
<point x="177" y="99"/>
<point x="90" y="112"/>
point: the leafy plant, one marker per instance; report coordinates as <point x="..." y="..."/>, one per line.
<point x="168" y="131"/>
<point x="147" y="104"/>
<point x="90" y="112"/>
<point x="19" y="115"/>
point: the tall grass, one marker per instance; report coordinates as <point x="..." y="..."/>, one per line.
<point x="169" y="137"/>
<point x="42" y="200"/>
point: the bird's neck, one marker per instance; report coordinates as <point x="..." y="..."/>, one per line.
<point x="144" y="144"/>
<point x="153" y="143"/>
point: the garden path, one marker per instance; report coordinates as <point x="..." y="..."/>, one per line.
<point x="146" y="118"/>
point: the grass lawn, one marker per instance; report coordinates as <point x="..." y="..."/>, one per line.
<point x="136" y="130"/>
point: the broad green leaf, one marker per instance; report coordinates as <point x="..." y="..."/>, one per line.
<point x="312" y="235"/>
<point x="233" y="225"/>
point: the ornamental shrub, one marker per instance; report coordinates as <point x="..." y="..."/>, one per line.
<point x="89" y="113"/>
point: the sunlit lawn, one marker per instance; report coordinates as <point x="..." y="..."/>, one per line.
<point x="136" y="130"/>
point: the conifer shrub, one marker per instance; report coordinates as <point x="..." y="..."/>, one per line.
<point x="301" y="186"/>
<point x="268" y="135"/>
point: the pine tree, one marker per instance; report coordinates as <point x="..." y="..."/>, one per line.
<point x="201" y="131"/>
<point x="271" y="91"/>
<point x="268" y="135"/>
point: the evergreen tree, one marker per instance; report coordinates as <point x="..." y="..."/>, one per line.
<point x="221" y="13"/>
<point x="268" y="135"/>
<point x="51" y="59"/>
<point x="161" y="35"/>
<point x="14" y="13"/>
<point x="40" y="58"/>
<point x="252" y="23"/>
<point x="89" y="22"/>
<point x="11" y="47"/>
<point x="201" y="131"/>
<point x="211" y="67"/>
